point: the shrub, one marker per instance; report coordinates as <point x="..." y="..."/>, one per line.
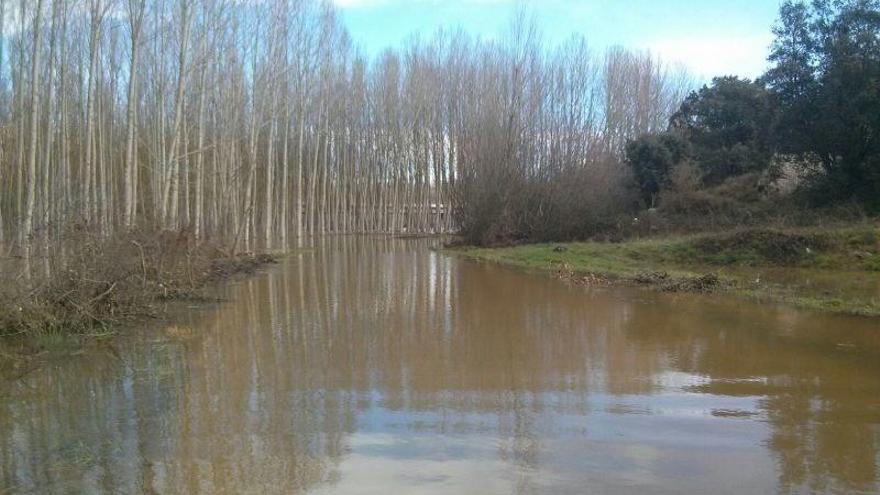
<point x="497" y="208"/>
<point x="652" y="159"/>
<point x="89" y="282"/>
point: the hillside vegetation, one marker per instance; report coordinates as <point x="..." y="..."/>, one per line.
<point x="800" y="139"/>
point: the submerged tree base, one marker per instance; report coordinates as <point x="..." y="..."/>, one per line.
<point x="835" y="270"/>
<point x="88" y="285"/>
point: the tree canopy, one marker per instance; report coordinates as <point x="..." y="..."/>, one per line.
<point x="826" y="83"/>
<point x="818" y="106"/>
<point x="652" y="158"/>
<point x="728" y="126"/>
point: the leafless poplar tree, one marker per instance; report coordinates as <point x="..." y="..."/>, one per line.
<point x="259" y="121"/>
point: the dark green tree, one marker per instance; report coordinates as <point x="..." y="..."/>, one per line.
<point x="728" y="125"/>
<point x="652" y="158"/>
<point x="793" y="78"/>
<point x="826" y="81"/>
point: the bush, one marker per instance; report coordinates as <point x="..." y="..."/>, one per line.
<point x="89" y="282"/>
<point x="739" y="200"/>
<point x="573" y="203"/>
<point x="652" y="159"/>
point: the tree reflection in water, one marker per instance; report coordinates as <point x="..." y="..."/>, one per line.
<point x="365" y="364"/>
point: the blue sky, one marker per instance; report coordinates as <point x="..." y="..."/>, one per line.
<point x="711" y="38"/>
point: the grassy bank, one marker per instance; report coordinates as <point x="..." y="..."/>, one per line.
<point x="87" y="286"/>
<point x="826" y="269"/>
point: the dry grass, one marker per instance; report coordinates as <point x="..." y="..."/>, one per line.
<point x="87" y="284"/>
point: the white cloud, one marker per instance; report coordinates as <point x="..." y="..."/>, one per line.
<point x="732" y="51"/>
<point x="355" y="4"/>
<point x="716" y="55"/>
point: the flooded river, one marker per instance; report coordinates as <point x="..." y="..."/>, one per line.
<point x="378" y="366"/>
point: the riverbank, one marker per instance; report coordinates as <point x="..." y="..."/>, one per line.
<point x="836" y="270"/>
<point x="88" y="286"/>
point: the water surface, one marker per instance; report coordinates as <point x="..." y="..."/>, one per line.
<point x="370" y="365"/>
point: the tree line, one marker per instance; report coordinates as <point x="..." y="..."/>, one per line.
<point x="813" y="119"/>
<point x="261" y="121"/>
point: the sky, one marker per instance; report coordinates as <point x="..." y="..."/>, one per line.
<point x="710" y="37"/>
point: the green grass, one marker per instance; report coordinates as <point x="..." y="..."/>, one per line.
<point x="836" y="270"/>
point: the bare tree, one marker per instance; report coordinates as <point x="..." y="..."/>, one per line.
<point x="250" y="121"/>
<point x="28" y="223"/>
<point x="136" y="11"/>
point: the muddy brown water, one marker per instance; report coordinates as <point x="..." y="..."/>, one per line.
<point x="378" y="366"/>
